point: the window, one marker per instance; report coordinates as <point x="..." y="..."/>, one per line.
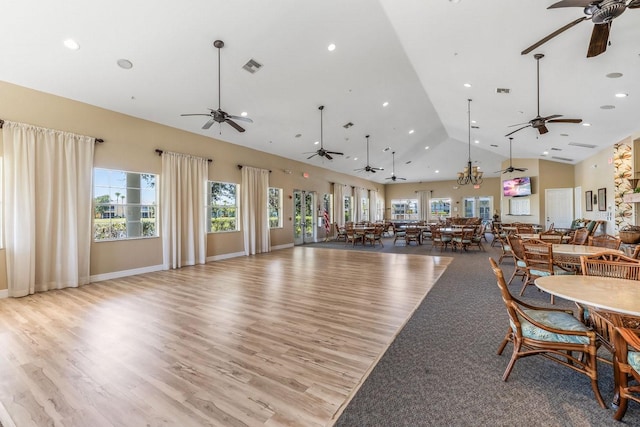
<point x="275" y="207"/>
<point x="124" y="205"/>
<point x="364" y="203"/>
<point x="222" y="207"/>
<point x="404" y="209"/>
<point x="478" y="207"/>
<point x="440" y="208"/>
<point x="347" y="209"/>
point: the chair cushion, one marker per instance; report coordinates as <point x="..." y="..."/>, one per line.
<point x="520" y="263"/>
<point x="554" y="319"/>
<point x="633" y="357"/>
<point x="556" y="270"/>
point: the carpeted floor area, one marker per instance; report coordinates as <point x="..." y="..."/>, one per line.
<point x="442" y="369"/>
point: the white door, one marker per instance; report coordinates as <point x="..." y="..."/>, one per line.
<point x="559" y="207"/>
<point x="304" y="230"/>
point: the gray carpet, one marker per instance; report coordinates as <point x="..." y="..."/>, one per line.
<point x="442" y="369"/>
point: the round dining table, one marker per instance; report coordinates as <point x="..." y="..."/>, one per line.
<point x="565" y="253"/>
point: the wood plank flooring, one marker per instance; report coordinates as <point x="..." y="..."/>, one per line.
<point x="278" y="339"/>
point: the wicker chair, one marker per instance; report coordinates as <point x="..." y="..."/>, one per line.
<point x="627" y="364"/>
<point x="439" y="239"/>
<point x="605" y="241"/>
<point x="610" y="264"/>
<point x="520" y="269"/>
<point x="551" y="236"/>
<point x="506" y="249"/>
<point x="549" y="332"/>
<point x="375" y="235"/>
<point x="525" y="229"/>
<point x="412" y="234"/>
<point x="538" y="256"/>
<point x="341" y="233"/>
<point x="580" y="237"/>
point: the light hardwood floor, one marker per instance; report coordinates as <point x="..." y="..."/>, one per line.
<point x="284" y="338"/>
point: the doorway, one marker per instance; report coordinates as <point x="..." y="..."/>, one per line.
<point x="304" y="215"/>
<point x="559" y="207"/>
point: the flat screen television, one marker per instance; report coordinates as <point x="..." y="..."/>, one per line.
<point x="516" y="187"/>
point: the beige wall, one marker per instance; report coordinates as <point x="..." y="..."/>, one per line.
<point x="130" y="145"/>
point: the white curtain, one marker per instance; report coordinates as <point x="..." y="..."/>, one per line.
<point x="358" y="195"/>
<point x="423" y="201"/>
<point x="48" y="184"/>
<point x="338" y="204"/>
<point x="255" y="210"/>
<point x="373" y="206"/>
<point x="183" y="218"/>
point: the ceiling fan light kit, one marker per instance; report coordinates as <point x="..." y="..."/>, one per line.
<point x="219" y="116"/>
<point x="470" y="174"/>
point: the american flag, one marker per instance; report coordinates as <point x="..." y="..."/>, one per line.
<point x="327" y="226"/>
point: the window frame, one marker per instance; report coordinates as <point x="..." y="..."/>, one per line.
<point x="278" y="208"/>
<point x="211" y="206"/>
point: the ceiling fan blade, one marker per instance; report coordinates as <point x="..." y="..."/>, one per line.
<point x="235" y="125"/>
<point x="242" y="119"/>
<point x="328" y="156"/>
<point x="565" y="121"/>
<point x="402" y="179"/>
<point x="554" y="116"/>
<point x="313" y="155"/>
<point x="571" y="3"/>
<point x="552" y="35"/>
<point x="336" y="153"/>
<point x="196" y="114"/>
<point x="377" y="169"/>
<point x="543" y="129"/>
<point x="511" y="133"/>
<point x="599" y="39"/>
<point x="520" y="169"/>
<point x="519" y="124"/>
<point x="634" y="4"/>
<point x="208" y="124"/>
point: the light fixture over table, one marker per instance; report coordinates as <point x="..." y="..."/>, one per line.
<point x="470" y="174"/>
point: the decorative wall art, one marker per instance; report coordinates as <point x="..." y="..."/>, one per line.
<point x="588" y="198"/>
<point x="602" y="199"/>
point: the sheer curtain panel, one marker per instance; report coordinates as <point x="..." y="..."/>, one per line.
<point x="183" y="191"/>
<point x="338" y="204"/>
<point x="255" y="210"/>
<point x="423" y="200"/>
<point x="47" y="187"/>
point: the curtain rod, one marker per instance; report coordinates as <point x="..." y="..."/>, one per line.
<point x="240" y="167"/>
<point x="160" y="154"/>
<point x="98" y="140"/>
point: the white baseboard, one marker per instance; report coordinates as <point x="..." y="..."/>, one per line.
<point x="285" y="246"/>
<point x="4" y="293"/>
<point x="125" y="273"/>
<point x="224" y="256"/>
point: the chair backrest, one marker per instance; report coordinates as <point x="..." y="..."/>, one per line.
<point x="551" y="236"/>
<point x="551" y="226"/>
<point x="636" y="253"/>
<point x="580" y="236"/>
<point x="525" y="229"/>
<point x="592" y="226"/>
<point x="538" y="255"/>
<point x="508" y="299"/>
<point x="605" y="241"/>
<point x="516" y="247"/>
<point x="610" y="264"/>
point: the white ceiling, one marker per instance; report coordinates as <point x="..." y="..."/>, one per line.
<point x="415" y="54"/>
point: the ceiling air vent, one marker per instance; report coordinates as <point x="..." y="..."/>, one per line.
<point x="503" y="90"/>
<point x="252" y="66"/>
<point x="556" y="149"/>
<point x="579" y="144"/>
<point x="564" y="159"/>
<point x="348" y="125"/>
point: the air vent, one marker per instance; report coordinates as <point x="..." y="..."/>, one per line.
<point x="564" y="159"/>
<point x="578" y="144"/>
<point x="475" y="127"/>
<point x="556" y="149"/>
<point x="503" y="90"/>
<point x="252" y="66"/>
<point x="348" y="125"/>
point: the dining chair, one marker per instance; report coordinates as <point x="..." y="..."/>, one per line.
<point x="341" y="233"/>
<point x="505" y="248"/>
<point x="627" y="361"/>
<point x="375" y="235"/>
<point x="580" y="237"/>
<point x="412" y="234"/>
<point x="538" y="256"/>
<point x="399" y="234"/>
<point x="520" y="269"/>
<point x="551" y="236"/>
<point x="477" y="237"/>
<point x="352" y="236"/>
<point x="462" y="239"/>
<point x="553" y="333"/>
<point x="605" y="241"/>
<point x="440" y="239"/>
<point x="636" y="252"/>
<point x="525" y="229"/>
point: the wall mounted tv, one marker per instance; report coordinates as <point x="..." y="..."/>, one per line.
<point x="516" y="187"/>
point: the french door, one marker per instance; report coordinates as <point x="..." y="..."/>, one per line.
<point x="304" y="215"/>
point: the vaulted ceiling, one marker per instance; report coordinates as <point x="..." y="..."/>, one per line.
<point x="415" y="55"/>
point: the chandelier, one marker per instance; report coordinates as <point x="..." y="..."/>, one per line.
<point x="470" y="174"/>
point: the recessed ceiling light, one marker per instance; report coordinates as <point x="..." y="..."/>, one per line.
<point x="437" y="171"/>
<point x="467" y="85"/>
<point x="544" y="153"/>
<point x="473" y="121"/>
<point x="384" y="104"/>
<point x="621" y="95"/>
<point x="586" y="124"/>
<point x="125" y="64"/>
<point x="243" y="114"/>
<point x="411" y="131"/>
<point x="355" y="158"/>
<point x="331" y="47"/>
<point x="476" y="141"/>
<point x="316" y="143"/>
<point x="614" y="75"/>
<point x="71" y="44"/>
<point x="607" y="107"/>
<point x="426" y="148"/>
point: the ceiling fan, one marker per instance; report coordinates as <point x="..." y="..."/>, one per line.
<point x="321" y="151"/>
<point x="393" y="176"/>
<point x="540" y="122"/>
<point x="511" y="168"/>
<point x="218" y="115"/>
<point x="368" y="168"/>
<point x="601" y="13"/>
